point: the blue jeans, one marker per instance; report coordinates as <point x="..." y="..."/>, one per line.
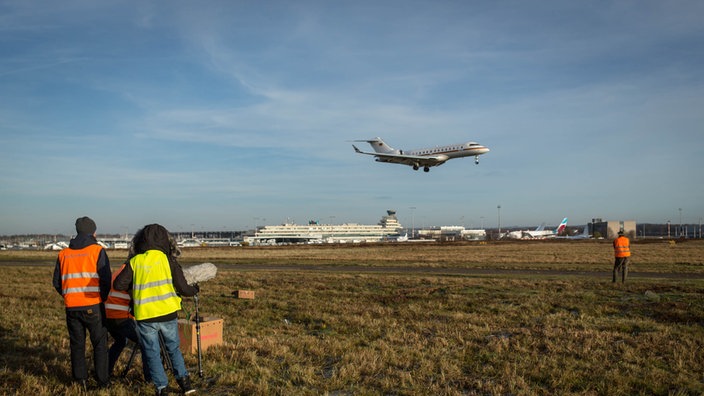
<point x="151" y="351"/>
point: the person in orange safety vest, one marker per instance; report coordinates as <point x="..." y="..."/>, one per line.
<point x="622" y="252"/>
<point x="82" y="276"/>
<point x="121" y="325"/>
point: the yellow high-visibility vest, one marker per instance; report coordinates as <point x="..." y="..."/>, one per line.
<point x="152" y="286"/>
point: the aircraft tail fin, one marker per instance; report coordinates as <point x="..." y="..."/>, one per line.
<point x="562" y="226"/>
<point x="380" y="146"/>
<point x="585" y="231"/>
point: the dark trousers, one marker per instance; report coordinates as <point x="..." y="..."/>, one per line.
<point x="78" y="322"/>
<point x="620" y="265"/>
<point x="122" y="330"/>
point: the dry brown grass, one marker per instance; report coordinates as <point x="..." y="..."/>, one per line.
<point x="648" y="256"/>
<point x="312" y="332"/>
<point x="545" y="254"/>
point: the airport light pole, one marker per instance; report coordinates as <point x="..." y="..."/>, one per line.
<point x="499" y="209"/>
<point x="679" y="231"/>
<point x="413" y="221"/>
<point x="668" y="229"/>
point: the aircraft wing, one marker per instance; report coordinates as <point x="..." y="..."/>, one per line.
<point x="411" y="160"/>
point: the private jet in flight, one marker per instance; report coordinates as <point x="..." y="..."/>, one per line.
<point x="425" y="157"/>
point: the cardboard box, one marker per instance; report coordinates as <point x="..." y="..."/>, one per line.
<point x="247" y="294"/>
<point x="210" y="334"/>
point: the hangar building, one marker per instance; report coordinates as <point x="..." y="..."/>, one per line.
<point x="609" y="229"/>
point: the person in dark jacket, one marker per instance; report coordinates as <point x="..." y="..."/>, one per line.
<point x="156" y="302"/>
<point x="120" y="322"/>
<point x="82" y="276"/>
<point x="121" y="325"/>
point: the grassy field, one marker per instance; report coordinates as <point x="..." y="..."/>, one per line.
<point x="403" y="332"/>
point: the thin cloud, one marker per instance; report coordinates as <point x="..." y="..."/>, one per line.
<point x="248" y="108"/>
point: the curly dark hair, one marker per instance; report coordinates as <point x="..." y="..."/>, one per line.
<point x="154" y="236"/>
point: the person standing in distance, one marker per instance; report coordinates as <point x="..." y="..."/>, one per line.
<point x="157" y="281"/>
<point x="82" y="276"/>
<point x="622" y="251"/>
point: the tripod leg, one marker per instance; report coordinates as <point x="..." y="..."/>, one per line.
<point x="200" y="359"/>
<point x="135" y="347"/>
<point x="164" y="353"/>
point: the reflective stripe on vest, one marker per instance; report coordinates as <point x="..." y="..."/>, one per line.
<point x="152" y="286"/>
<point x="117" y="306"/>
<point x="621" y="247"/>
<point x="80" y="282"/>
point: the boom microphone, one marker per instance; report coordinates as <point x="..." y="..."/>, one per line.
<point x="200" y="273"/>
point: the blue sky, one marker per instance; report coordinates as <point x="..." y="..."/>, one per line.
<point x="223" y="115"/>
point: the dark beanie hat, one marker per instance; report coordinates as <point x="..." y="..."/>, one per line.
<point x="85" y="225"/>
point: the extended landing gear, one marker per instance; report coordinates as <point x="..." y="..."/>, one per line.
<point x="425" y="168"/>
<point x="476" y="160"/>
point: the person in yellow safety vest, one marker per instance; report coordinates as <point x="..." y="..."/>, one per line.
<point x="622" y="251"/>
<point x="82" y="276"/>
<point x="120" y="324"/>
<point x="157" y="282"/>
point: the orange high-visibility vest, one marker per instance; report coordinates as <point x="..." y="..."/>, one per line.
<point x="80" y="283"/>
<point x="622" y="247"/>
<point x="117" y="306"/>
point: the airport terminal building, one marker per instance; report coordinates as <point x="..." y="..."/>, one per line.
<point x="388" y="228"/>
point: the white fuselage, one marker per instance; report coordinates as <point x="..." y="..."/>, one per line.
<point x="425" y="157"/>
<point x="451" y="151"/>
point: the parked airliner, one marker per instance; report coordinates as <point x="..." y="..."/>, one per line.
<point x="540" y="232"/>
<point x="583" y="235"/>
<point x="424" y="158"/>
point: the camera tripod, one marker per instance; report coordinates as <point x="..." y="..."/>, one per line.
<point x="166" y="360"/>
